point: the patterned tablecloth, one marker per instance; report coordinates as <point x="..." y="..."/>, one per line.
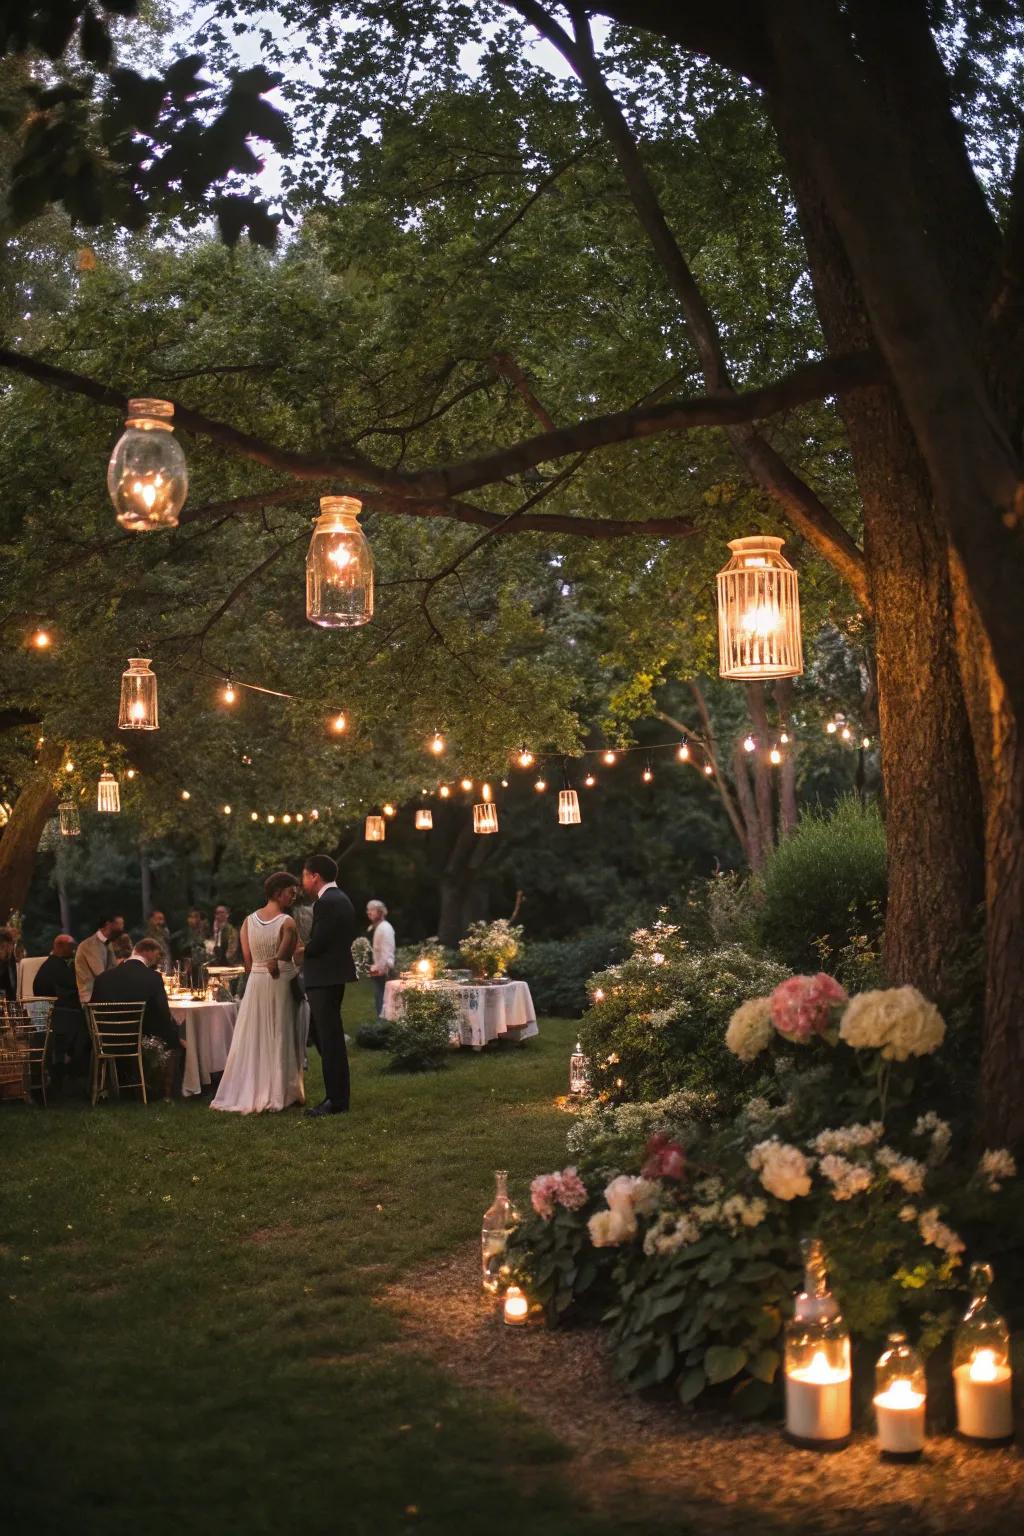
<point x="502" y="1008"/>
<point x="208" y="1030"/>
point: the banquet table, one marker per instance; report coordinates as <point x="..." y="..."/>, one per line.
<point x="487" y="1010"/>
<point x="208" y="1030"/>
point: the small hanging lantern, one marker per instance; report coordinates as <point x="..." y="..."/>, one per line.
<point x="424" y="819"/>
<point x="147" y="476"/>
<point x="108" y="793"/>
<point x="981" y="1367"/>
<point x="899" y="1401"/>
<point x="579" y="1073"/>
<point x="817" y="1362"/>
<point x="138" y="697"/>
<point x="485" y="818"/>
<point x="339" y="567"/>
<point x="568" y="808"/>
<point x="374" y="829"/>
<point x="758" y="612"/>
<point x="70" y="823"/>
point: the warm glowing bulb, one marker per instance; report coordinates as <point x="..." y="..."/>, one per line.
<point x="227" y="810"/>
<point x="866" y="742"/>
<point x="254" y="815"/>
<point x="130" y="774"/>
<point x="229" y="694"/>
<point x="467" y="783"/>
<point x="444" y="791"/>
<point x="271" y="819"/>
<point x="69" y="766"/>
<point x="599" y="994"/>
<point x="784" y="738"/>
<point x="540" y="786"/>
<point x="286" y="818"/>
<point x="516" y="1306"/>
<point x="424" y="967"/>
<point x="762" y="621"/>
<point x="831" y="727"/>
<point x="314" y="815"/>
<point x="437" y="744"/>
<point x="590" y="781"/>
<point x="708" y="769"/>
<point x="749" y="744"/>
<point x="846" y="733"/>
<point x="339" y="723"/>
<point x="185" y="795"/>
<point x="485" y="791"/>
<point x="504" y="783"/>
<point x="298" y="816"/>
<point x="525" y="758"/>
<point x="775" y="756"/>
<point x="647" y="775"/>
<point x="41" y="639"/>
<point x="657" y="958"/>
<point x="388" y="809"/>
<point x="683" y="752"/>
<point x="340" y="556"/>
<point x="983" y="1366"/>
<point x="609" y="757"/>
<point x="138" y="710"/>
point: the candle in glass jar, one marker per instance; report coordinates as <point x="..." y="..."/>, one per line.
<point x="984" y="1407"/>
<point x="516" y="1306"/>
<point x="818" y="1401"/>
<point x="899" y="1412"/>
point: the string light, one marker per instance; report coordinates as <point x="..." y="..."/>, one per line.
<point x="286" y="818"/>
<point x="504" y="783"/>
<point x="254" y="816"/>
<point x="540" y="786"/>
<point x="525" y="758"/>
<point x="749" y="744"/>
<point x="444" y="792"/>
<point x="271" y="818"/>
<point x="299" y="816"/>
<point x="485" y="791"/>
<point x="339" y="724"/>
<point x="314" y="815"/>
<point x="775" y="756"/>
<point x="388" y="809"/>
<point x="185" y="795"/>
<point x="69" y="766"/>
<point x="683" y="751"/>
<point x="437" y="744"/>
<point x="846" y="733"/>
<point x="227" y="810"/>
<point x="866" y="742"/>
<point x="130" y="774"/>
<point x="467" y="784"/>
<point x="42" y="639"/>
<point x="589" y="781"/>
<point x="609" y="757"/>
<point x="229" y="695"/>
<point x="784" y="738"/>
<point x="648" y="774"/>
<point x="831" y="727"/>
<point x="708" y="769"/>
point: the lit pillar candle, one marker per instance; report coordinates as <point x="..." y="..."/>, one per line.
<point x="516" y="1307"/>
<point x="899" y="1414"/>
<point x="818" y="1402"/>
<point x="984" y="1407"/>
<point x="424" y="969"/>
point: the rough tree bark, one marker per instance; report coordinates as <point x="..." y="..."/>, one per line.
<point x="36" y="803"/>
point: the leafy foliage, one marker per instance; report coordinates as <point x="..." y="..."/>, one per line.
<point x="422" y="1037"/>
<point x="557" y="970"/>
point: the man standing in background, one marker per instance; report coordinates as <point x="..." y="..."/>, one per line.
<point x="382" y="936"/>
<point x="94" y="957"/>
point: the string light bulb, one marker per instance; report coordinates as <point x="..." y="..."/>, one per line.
<point x="467" y="784"/>
<point x="846" y="734"/>
<point x="185" y="795"/>
<point x="749" y="744"/>
<point x="866" y="742"/>
<point x="525" y="758"/>
<point x="229" y="695"/>
<point x="784" y="738"/>
<point x="271" y="819"/>
<point x="227" y="810"/>
<point x="708" y="769"/>
<point x="437" y="744"/>
<point x="299" y="817"/>
<point x="388" y="809"/>
<point x="130" y="774"/>
<point x="42" y="639"/>
<point x="254" y="815"/>
<point x="69" y="766"/>
<point x="831" y="727"/>
<point x="147" y="477"/>
<point x="444" y="792"/>
<point x="540" y="786"/>
<point x="683" y="751"/>
<point x="339" y="724"/>
<point x="314" y="815"/>
<point x="775" y="756"/>
<point x="648" y="775"/>
<point x="589" y="781"/>
<point x="609" y="757"/>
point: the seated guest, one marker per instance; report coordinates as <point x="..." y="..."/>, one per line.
<point x="8" y="965"/>
<point x="156" y="928"/>
<point x="121" y="948"/>
<point x="56" y="978"/>
<point x="189" y="946"/>
<point x="138" y="981"/>
<point x="93" y="956"/>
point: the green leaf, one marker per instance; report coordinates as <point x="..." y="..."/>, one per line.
<point x="764" y="1364"/>
<point x="691" y="1384"/>
<point x="751" y="1399"/>
<point x="724" y="1361"/>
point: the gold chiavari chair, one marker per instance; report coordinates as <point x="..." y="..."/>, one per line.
<point x="33" y="1026"/>
<point x="116" y="1033"/>
<point x="15" y="1068"/>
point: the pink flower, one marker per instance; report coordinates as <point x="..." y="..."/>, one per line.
<point x="543" y="1192"/>
<point x="665" y="1159"/>
<point x="802" y="1006"/>
<point x="573" y="1191"/>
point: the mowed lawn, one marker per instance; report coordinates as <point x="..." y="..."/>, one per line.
<point x="191" y="1336"/>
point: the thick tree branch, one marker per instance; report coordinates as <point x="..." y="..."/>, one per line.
<point x="510" y="369"/>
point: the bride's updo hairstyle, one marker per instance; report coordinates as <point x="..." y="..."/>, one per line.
<point x="279" y="881"/>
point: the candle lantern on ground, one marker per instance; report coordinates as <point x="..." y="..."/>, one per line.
<point x="138" y="711"/>
<point x="817" y="1362"/>
<point x="339" y="567"/>
<point x="499" y="1219"/>
<point x="147" y="476"/>
<point x="374" y="829"/>
<point x="568" y="808"/>
<point x="108" y="793"/>
<point x="424" y="819"/>
<point x="758" y="612"/>
<point x="900" y="1400"/>
<point x="981" y="1367"/>
<point x="579" y="1073"/>
<point x="485" y="817"/>
<point x="517" y="1307"/>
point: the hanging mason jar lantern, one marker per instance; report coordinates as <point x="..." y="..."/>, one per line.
<point x="339" y="567"/>
<point x="579" y="1073"/>
<point x="424" y="819"/>
<point x="374" y="829"/>
<point x="817" y="1362"/>
<point x="568" y="808"/>
<point x="70" y="823"/>
<point x="485" y="817"/>
<point x="147" y="476"/>
<point x="108" y="793"/>
<point x="138" y="697"/>
<point x="981" y="1367"/>
<point x="758" y="612"/>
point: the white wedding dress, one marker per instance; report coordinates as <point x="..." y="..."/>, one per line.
<point x="264" y="1069"/>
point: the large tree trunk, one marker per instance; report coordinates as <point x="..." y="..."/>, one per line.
<point x="36" y="803"/>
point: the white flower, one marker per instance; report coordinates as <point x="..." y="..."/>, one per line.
<point x="738" y="1211"/>
<point x="847" y="1179"/>
<point x="669" y="1233"/>
<point x="908" y="1213"/>
<point x="846" y="1138"/>
<point x="750" y="1029"/>
<point x="759" y="1114"/>
<point x="996" y="1165"/>
<point x="937" y="1234"/>
<point x="906" y="1171"/>
<point x="610" y="1228"/>
<point x="940" y="1133"/>
<point x="661" y="1016"/>
<point x="635" y="1197"/>
<point x="898" y="1021"/>
<point x="784" y="1170"/>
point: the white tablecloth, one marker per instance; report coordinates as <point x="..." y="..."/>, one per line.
<point x="208" y="1029"/>
<point x="487" y="1011"/>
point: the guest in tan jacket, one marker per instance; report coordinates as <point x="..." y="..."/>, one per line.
<point x="94" y="955"/>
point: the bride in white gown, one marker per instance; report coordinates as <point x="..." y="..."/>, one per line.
<point x="264" y="1068"/>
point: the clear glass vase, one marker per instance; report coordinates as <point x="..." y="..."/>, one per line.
<point x="499" y="1219"/>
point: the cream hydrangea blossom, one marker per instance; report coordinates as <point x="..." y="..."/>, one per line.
<point x="739" y="1211"/>
<point x="610" y="1228"/>
<point x="628" y="1197"/>
<point x="847" y="1179"/>
<point x="750" y="1029"/>
<point x="905" y="1171"/>
<point x="937" y="1234"/>
<point x="672" y="1230"/>
<point x="784" y="1170"/>
<point x="898" y="1021"/>
<point x="997" y="1165"/>
<point x="940" y="1136"/>
<point x="847" y="1138"/>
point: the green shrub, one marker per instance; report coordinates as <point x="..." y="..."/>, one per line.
<point x="432" y="949"/>
<point x="557" y="970"/>
<point x="660" y="1024"/>
<point x="824" y="884"/>
<point x="422" y="1035"/>
<point x="375" y="1036"/>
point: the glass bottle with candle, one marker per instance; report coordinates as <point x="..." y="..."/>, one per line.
<point x="900" y="1400"/>
<point x="817" y="1368"/>
<point x="981" y="1367"/>
<point x="499" y="1219"/>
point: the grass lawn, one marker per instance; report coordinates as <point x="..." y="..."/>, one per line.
<point x="191" y="1334"/>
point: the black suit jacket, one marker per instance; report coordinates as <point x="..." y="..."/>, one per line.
<point x="134" y="982"/>
<point x="56" y="978"/>
<point x="328" y="960"/>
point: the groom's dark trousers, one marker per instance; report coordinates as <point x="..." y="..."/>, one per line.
<point x="327" y="966"/>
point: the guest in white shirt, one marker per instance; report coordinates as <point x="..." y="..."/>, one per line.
<point x="382" y="936"/>
<point x="94" y="955"/>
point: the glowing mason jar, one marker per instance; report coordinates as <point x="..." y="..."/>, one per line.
<point x="817" y="1365"/>
<point x="981" y="1367"/>
<point x="138" y="711"/>
<point x="339" y="567"/>
<point x="899" y="1400"/>
<point x="147" y="476"/>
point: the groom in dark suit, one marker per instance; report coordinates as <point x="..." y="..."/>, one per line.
<point x="326" y="967"/>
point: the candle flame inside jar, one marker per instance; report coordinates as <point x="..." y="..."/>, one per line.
<point x="516" y="1305"/>
<point x="983" y="1366"/>
<point x="424" y="967"/>
<point x="900" y="1394"/>
<point x="819" y="1373"/>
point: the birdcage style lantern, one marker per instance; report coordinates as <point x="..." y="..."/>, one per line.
<point x="339" y="567"/>
<point x="485" y="818"/>
<point x="108" y="793"/>
<point x="982" y="1373"/>
<point x="70" y="821"/>
<point x="147" y="476"/>
<point x="569" y="808"/>
<point x="424" y="819"/>
<point x="758" y="612"/>
<point x="579" y="1073"/>
<point x="374" y="829"/>
<point x="138" y="697"/>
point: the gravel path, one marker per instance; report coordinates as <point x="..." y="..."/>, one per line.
<point x="655" y="1464"/>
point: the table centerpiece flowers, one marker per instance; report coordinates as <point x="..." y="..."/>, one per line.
<point x="489" y="948"/>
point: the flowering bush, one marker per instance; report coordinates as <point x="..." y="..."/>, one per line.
<point x="803" y="1006"/>
<point x="421" y="1036"/>
<point x="362" y="956"/>
<point x="899" y="1022"/>
<point x="489" y="948"/>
